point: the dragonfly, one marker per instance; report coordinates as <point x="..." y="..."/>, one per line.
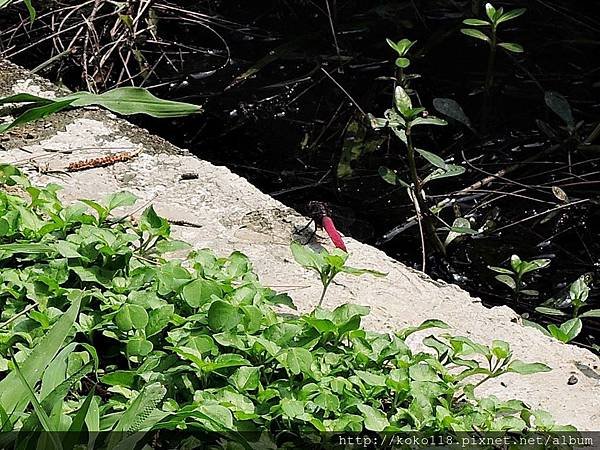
<point x="268" y="225"/>
<point x="320" y="214"/>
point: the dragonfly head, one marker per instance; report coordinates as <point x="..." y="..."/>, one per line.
<point x="317" y="210"/>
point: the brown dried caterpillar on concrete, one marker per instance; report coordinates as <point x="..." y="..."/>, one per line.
<point x="102" y="161"/>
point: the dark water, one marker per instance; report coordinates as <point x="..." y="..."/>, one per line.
<point x="274" y="117"/>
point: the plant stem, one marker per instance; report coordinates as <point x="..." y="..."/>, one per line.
<point x="489" y="81"/>
<point x="323" y="292"/>
<point x="412" y="164"/>
<point x="418" y="194"/>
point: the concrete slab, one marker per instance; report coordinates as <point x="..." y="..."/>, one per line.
<point x="224" y="212"/>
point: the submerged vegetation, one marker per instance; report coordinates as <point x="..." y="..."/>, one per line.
<point x="101" y="331"/>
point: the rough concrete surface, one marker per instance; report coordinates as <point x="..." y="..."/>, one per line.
<point x="224" y="212"/>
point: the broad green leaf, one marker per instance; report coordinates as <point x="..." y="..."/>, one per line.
<point x="200" y="291"/>
<point x="529" y="292"/>
<point x="67" y="249"/>
<point x="119" y="378"/>
<point x="516" y="263"/>
<point x="223" y="316"/>
<point x="282" y="299"/>
<point x="571" y="328"/>
<point x="246" y="378"/>
<point x="475" y="34"/>
<point x="591" y="313"/>
<point x="299" y="360"/>
<point x="452" y="109"/>
<point x="431" y="323"/>
<point x="370" y="379"/>
<point x="402" y="101"/>
<point x="507" y="280"/>
<point x="579" y="290"/>
<point x="476" y="22"/>
<point x="543" y="419"/>
<point x="490" y="11"/>
<point x="390" y="176"/>
<point x="158" y="319"/>
<point x="524" y="368"/>
<point x="140" y="409"/>
<point x="460" y="226"/>
<point x="401" y="46"/>
<point x="501" y="270"/>
<point x="500" y="349"/>
<point x="327" y="401"/>
<point x="529" y="266"/>
<point x="560" y="106"/>
<point x="219" y="416"/>
<point x="452" y="170"/>
<point x="403" y="63"/>
<point x="498" y="14"/>
<point x="374" y="419"/>
<point x="153" y="223"/>
<point x="131" y="317"/>
<point x="133" y="100"/>
<point x="550" y="311"/>
<point x="429" y="120"/>
<point x="101" y="210"/>
<point x="511" y="47"/>
<point x="171" y="245"/>
<point x="119" y="199"/>
<point x="509" y="15"/>
<point x="400" y="133"/>
<point x="292" y="408"/>
<point x="139" y="347"/>
<point x="423" y="372"/>
<point x="305" y="256"/>
<point x="321" y="325"/>
<point x="432" y="158"/>
<point x="557" y="333"/>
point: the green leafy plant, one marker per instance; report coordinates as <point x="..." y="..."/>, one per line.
<point x="125" y="101"/>
<point x="513" y="277"/>
<point x="495" y="17"/>
<point x="327" y="264"/>
<point x="574" y="298"/>
<point x="402" y="47"/>
<point x="402" y="119"/>
<point x="100" y="331"/>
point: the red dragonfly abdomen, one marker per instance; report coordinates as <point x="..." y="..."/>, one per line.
<point x="333" y="233"/>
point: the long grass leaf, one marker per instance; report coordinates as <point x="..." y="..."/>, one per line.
<point x="13" y="395"/>
<point x="39" y="411"/>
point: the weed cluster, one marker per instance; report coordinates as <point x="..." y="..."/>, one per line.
<point x="100" y="331"/>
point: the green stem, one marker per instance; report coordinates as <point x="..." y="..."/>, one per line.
<point x="489" y="81"/>
<point x="418" y="190"/>
<point x="412" y="164"/>
<point x="323" y="292"/>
